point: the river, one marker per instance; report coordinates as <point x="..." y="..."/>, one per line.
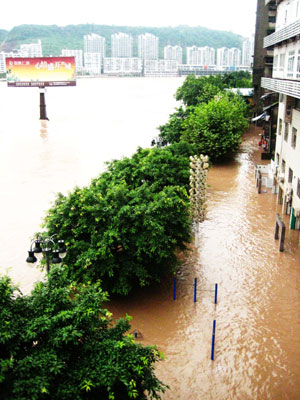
<point x="257" y="352"/>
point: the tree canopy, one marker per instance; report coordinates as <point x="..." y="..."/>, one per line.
<point x="212" y="119"/>
<point x="126" y="226"/>
<point x="58" y="343"/>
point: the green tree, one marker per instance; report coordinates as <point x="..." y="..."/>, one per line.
<point x="126" y="226"/>
<point x="216" y="128"/>
<point x="195" y="91"/>
<point x="58" y="343"/>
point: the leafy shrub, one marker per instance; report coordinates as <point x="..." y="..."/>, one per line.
<point x="58" y="344"/>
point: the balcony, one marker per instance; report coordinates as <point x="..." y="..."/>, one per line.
<point x="285" y="33"/>
<point x="290" y="88"/>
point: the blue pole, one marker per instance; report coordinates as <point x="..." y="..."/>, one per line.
<point x="195" y="290"/>
<point x="174" y="288"/>
<point x="216" y="293"/>
<point x="213" y="341"/>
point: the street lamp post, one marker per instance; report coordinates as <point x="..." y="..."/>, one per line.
<point x="46" y="247"/>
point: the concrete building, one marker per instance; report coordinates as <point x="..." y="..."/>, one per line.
<point x="78" y="57"/>
<point x="263" y="57"/>
<point x="123" y="66"/>
<point x="93" y="63"/>
<point x="234" y="58"/>
<point x="248" y="52"/>
<point x="148" y="46"/>
<point x="121" y="45"/>
<point x="161" y="68"/>
<point x="222" y="57"/>
<point x="31" y="50"/>
<point x="2" y="62"/>
<point x="173" y="53"/>
<point x="94" y="44"/>
<point x="200" y="56"/>
<point x="285" y="81"/>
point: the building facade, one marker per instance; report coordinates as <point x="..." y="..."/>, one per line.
<point x="234" y="58"/>
<point x="31" y="50"/>
<point x="78" y="57"/>
<point x="173" y="53"/>
<point x="121" y="45"/>
<point x="123" y="66"/>
<point x="148" y="47"/>
<point x="200" y="56"/>
<point x="248" y="51"/>
<point x="285" y="80"/>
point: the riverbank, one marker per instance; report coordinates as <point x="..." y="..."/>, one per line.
<point x="257" y="353"/>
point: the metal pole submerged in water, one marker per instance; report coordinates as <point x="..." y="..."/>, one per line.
<point x="174" y="288"/>
<point x="213" y="341"/>
<point x="43" y="112"/>
<point x="195" y="290"/>
<point x="216" y="293"/>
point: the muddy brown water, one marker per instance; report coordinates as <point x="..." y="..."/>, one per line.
<point x="257" y="353"/>
<point x="257" y="342"/>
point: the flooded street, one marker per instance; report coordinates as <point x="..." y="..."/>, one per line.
<point x="257" y="348"/>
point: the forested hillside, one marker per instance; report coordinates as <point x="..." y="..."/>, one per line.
<point x="55" y="38"/>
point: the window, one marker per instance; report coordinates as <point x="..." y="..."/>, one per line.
<point x="290" y="178"/>
<point x="280" y="127"/>
<point x="294" y="138"/>
<point x="283" y="166"/>
<point x="277" y="159"/>
<point x="275" y="62"/>
<point x="297" y="104"/>
<point x="281" y="62"/>
<point x="286" y="131"/>
<point x="272" y="19"/>
<point x="298" y="187"/>
<point x="290" y="67"/>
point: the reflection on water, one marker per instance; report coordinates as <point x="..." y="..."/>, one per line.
<point x="257" y="354"/>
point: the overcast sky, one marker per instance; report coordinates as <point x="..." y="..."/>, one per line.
<point x="237" y="16"/>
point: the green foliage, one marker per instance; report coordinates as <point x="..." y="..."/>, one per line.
<point x="125" y="227"/>
<point x="58" y="344"/>
<point x="237" y="79"/>
<point x="55" y="38"/>
<point x="199" y="90"/>
<point x="216" y="128"/>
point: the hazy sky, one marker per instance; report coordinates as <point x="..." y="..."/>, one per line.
<point x="237" y="16"/>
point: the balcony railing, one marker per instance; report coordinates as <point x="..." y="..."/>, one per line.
<point x="290" y="88"/>
<point x="285" y="33"/>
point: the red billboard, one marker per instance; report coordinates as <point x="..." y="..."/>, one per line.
<point x="40" y="71"/>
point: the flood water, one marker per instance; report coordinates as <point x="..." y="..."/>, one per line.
<point x="257" y="346"/>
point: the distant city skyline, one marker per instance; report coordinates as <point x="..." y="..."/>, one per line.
<point x="237" y="16"/>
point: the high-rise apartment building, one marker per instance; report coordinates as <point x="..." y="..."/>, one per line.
<point x="78" y="57"/>
<point x="148" y="46"/>
<point x="200" y="55"/>
<point x="94" y="44"/>
<point x="234" y="57"/>
<point x="121" y="45"/>
<point x="2" y="62"/>
<point x="222" y="57"/>
<point x="31" y="50"/>
<point x="93" y="63"/>
<point x="173" y="53"/>
<point x="285" y="81"/>
<point x="123" y="65"/>
<point x="248" y="51"/>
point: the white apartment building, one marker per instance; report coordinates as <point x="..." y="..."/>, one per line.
<point x="78" y="57"/>
<point x="200" y="56"/>
<point x="247" y="51"/>
<point x="173" y="53"/>
<point x="234" y="57"/>
<point x="286" y="81"/>
<point x="94" y="44"/>
<point x="148" y="46"/>
<point x="123" y="66"/>
<point x="93" y="63"/>
<point x="31" y="50"/>
<point x="222" y="57"/>
<point x="2" y="62"/>
<point x="161" y="68"/>
<point x="121" y="45"/>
